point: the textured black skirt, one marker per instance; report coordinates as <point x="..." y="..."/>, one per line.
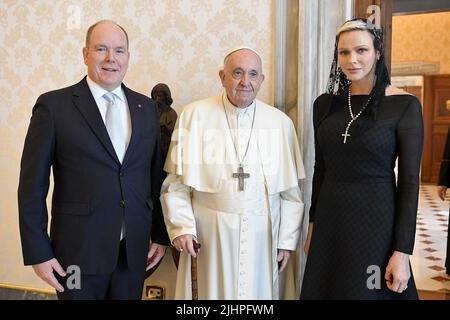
<point x="352" y="242"/>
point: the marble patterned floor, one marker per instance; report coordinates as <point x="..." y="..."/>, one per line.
<point x="428" y="259"/>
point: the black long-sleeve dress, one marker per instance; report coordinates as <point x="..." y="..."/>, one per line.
<point x="444" y="180"/>
<point x="361" y="214"/>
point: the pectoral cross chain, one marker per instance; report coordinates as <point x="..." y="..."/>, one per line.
<point x="241" y="175"/>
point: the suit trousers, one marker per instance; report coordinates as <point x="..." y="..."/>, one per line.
<point x="121" y="284"/>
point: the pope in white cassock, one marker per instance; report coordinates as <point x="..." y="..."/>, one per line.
<point x="233" y="169"/>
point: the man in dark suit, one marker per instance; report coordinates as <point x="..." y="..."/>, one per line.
<point x="102" y="142"/>
<point x="443" y="184"/>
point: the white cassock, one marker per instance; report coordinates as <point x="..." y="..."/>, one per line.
<point x="239" y="231"/>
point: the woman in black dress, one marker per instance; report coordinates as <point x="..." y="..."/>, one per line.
<point x="363" y="216"/>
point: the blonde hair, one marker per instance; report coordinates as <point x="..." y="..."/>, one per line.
<point x="354" y="25"/>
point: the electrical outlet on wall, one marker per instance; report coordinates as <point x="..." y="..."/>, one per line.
<point x="154" y="292"/>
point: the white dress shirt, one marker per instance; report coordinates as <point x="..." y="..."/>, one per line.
<point x="121" y="102"/>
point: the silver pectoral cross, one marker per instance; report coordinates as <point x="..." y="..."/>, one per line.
<point x="345" y="135"/>
<point x="241" y="175"/>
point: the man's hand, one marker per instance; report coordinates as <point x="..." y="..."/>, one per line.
<point x="283" y="259"/>
<point x="185" y="243"/>
<point x="398" y="272"/>
<point x="442" y="190"/>
<point x="45" y="270"/>
<point x="155" y="254"/>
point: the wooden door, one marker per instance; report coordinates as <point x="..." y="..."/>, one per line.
<point x="360" y="11"/>
<point x="436" y="113"/>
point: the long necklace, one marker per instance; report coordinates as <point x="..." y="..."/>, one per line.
<point x="240" y="175"/>
<point x="353" y="118"/>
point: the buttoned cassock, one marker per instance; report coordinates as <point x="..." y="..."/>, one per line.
<point x="240" y="231"/>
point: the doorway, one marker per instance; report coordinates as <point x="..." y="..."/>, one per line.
<point x="420" y="64"/>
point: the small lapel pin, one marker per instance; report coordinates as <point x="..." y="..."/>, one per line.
<point x="139" y="106"/>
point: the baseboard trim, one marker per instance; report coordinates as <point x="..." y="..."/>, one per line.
<point x="25" y="288"/>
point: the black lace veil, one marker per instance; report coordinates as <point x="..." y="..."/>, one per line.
<point x="338" y="83"/>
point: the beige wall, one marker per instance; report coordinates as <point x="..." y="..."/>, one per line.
<point x="423" y="37"/>
<point x="179" y="42"/>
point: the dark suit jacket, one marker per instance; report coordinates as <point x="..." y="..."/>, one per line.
<point x="444" y="172"/>
<point x="93" y="192"/>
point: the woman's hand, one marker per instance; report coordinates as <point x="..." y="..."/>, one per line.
<point x="398" y="272"/>
<point x="308" y="237"/>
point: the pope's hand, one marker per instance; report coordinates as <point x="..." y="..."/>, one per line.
<point x="283" y="258"/>
<point x="185" y="243"/>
